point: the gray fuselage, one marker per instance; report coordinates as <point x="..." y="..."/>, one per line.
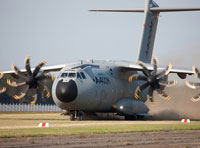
<point x="103" y="85"/>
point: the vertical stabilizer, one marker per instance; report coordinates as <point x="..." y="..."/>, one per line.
<point x="148" y="32"/>
<point x="151" y="14"/>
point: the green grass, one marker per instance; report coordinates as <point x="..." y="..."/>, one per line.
<point x="25" y="125"/>
<point x="30" y="132"/>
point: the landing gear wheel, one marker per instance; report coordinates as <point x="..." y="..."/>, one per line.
<point x="140" y="117"/>
<point x="80" y="118"/>
<point x="72" y="117"/>
<point x="130" y="117"/>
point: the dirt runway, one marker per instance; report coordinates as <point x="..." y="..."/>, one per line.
<point x="175" y="139"/>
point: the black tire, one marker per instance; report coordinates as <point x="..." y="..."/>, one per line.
<point x="130" y="117"/>
<point x="140" y="117"/>
<point x="80" y="118"/>
<point x="72" y="117"/>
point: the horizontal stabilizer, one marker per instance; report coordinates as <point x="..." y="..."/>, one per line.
<point x="152" y="9"/>
<point x="132" y="10"/>
<point x="174" y="9"/>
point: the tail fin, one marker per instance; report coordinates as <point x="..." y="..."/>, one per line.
<point x="151" y="13"/>
<point x="148" y="32"/>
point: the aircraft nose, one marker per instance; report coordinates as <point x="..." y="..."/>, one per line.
<point x="66" y="91"/>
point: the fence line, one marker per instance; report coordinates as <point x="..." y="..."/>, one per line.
<point x="28" y="107"/>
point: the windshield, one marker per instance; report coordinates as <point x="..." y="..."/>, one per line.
<point x="72" y="75"/>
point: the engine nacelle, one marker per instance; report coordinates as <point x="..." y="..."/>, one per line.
<point x="131" y="107"/>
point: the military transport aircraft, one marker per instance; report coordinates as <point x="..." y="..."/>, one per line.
<point x="119" y="87"/>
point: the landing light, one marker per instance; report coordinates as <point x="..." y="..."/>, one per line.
<point x="121" y="107"/>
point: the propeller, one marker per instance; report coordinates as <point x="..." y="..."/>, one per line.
<point x="31" y="79"/>
<point x="2" y="90"/>
<point x="153" y="80"/>
<point x="194" y="85"/>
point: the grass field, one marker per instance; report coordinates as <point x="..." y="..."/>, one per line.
<point x="26" y="125"/>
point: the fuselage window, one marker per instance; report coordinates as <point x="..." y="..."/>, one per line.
<point x="83" y="75"/>
<point x="72" y="75"/>
<point x="78" y="76"/>
<point x="64" y="75"/>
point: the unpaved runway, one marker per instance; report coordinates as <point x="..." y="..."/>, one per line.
<point x="175" y="139"/>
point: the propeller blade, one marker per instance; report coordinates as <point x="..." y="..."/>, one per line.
<point x="164" y="72"/>
<point x="22" y="94"/>
<point x="144" y="68"/>
<point x="168" y="83"/>
<point x="196" y="98"/>
<point x="31" y="80"/>
<point x="2" y="90"/>
<point x="192" y="85"/>
<point x="14" y="84"/>
<point x="18" y="72"/>
<point x="14" y="75"/>
<point x="150" y="94"/>
<point x="37" y="69"/>
<point x="155" y="65"/>
<point x="27" y="66"/>
<point x="42" y="95"/>
<point x="34" y="100"/>
<point x="135" y="77"/>
<point x="196" y="71"/>
<point x="45" y="88"/>
<point x="45" y="76"/>
<point x="163" y="94"/>
<point x="1" y="74"/>
<point x="17" y="97"/>
<point x="139" y="89"/>
<point x="154" y="80"/>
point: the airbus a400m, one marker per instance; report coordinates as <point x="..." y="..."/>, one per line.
<point x="120" y="87"/>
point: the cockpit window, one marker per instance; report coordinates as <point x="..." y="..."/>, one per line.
<point x="83" y="75"/>
<point x="72" y="75"/>
<point x="64" y="75"/>
<point x="78" y="76"/>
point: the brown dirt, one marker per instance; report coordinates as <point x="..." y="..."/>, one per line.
<point x="175" y="139"/>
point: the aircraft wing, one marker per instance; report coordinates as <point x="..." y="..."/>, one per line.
<point x="53" y="68"/>
<point x="131" y="66"/>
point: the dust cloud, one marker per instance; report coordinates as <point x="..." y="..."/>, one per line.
<point x="179" y="107"/>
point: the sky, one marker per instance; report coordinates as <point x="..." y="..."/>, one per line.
<point x="61" y="31"/>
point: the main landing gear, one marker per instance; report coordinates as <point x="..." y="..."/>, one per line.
<point x="76" y="115"/>
<point x="136" y="117"/>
